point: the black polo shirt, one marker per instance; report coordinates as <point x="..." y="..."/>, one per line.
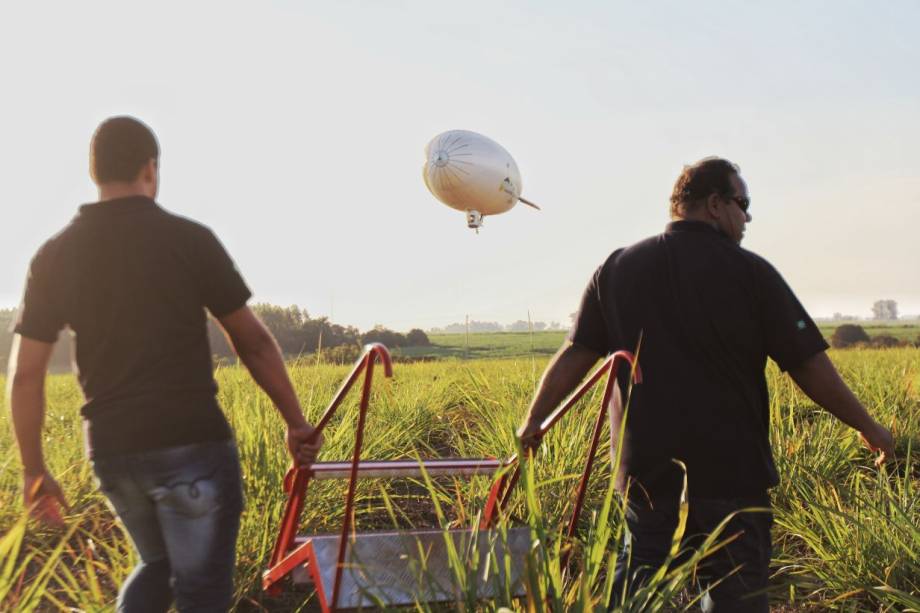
<point x="132" y="281"/>
<point x="710" y="313"/>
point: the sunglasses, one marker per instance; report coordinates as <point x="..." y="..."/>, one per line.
<point x="743" y="203"/>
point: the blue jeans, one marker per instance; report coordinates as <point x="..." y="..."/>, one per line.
<point x="181" y="506"/>
<point x="648" y="542"/>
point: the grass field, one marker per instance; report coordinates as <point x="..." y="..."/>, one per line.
<point x="488" y="345"/>
<point x="847" y="535"/>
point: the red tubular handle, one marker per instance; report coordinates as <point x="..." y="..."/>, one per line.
<point x="296" y="480"/>
<point x="500" y="495"/>
<point x="371" y="351"/>
<point x="609" y="366"/>
<point x="377" y="350"/>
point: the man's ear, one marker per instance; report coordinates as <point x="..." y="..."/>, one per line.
<point x="714" y="206"/>
<point x="149" y="171"/>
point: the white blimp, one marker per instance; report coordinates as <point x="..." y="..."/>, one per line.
<point x="472" y="173"/>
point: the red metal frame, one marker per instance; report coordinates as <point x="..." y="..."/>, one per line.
<point x="296" y="480"/>
<point x="500" y="494"/>
<point x="286" y="556"/>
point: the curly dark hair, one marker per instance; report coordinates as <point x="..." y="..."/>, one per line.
<point x="120" y="148"/>
<point x="711" y="175"/>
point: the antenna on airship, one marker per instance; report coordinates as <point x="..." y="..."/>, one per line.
<point x="529" y="203"/>
<point x="472" y="173"/>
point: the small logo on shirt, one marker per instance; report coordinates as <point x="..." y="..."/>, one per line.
<point x="800" y="324"/>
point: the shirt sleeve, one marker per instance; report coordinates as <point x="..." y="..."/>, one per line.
<point x="39" y="313"/>
<point x="790" y="334"/>
<point x="589" y="329"/>
<point x="223" y="288"/>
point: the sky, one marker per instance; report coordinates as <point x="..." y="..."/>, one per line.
<point x="296" y="130"/>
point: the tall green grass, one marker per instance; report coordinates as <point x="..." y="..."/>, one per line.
<point x="846" y="535"/>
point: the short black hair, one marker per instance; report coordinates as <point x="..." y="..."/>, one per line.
<point x="711" y="175"/>
<point x="120" y="148"/>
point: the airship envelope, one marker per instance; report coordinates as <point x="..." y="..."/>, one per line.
<point x="472" y="173"/>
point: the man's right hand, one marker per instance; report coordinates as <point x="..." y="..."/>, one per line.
<point x="529" y="435"/>
<point x="879" y="438"/>
<point x="302" y="445"/>
<point x="44" y="498"/>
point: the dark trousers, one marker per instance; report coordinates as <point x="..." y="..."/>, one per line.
<point x="181" y="506"/>
<point x="735" y="577"/>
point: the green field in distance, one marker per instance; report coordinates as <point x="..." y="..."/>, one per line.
<point x="516" y="344"/>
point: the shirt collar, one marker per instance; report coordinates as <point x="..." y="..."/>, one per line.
<point x="686" y="225"/>
<point x="117" y="206"/>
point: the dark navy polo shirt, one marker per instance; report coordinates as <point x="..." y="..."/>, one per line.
<point x="132" y="281"/>
<point x="709" y="314"/>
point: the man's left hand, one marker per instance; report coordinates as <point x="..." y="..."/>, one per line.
<point x="44" y="498"/>
<point x="303" y="444"/>
<point x="879" y="439"/>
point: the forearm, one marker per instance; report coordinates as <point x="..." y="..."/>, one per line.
<point x="821" y="382"/>
<point x="266" y="365"/>
<point x="564" y="372"/>
<point x="27" y="406"/>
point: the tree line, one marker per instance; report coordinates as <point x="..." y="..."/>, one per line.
<point x="297" y="334"/>
<point x="476" y="327"/>
<point x="855" y="336"/>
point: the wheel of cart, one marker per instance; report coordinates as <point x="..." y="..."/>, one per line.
<point x="354" y="569"/>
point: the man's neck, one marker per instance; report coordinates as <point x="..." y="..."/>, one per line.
<point x="703" y="217"/>
<point x="111" y="191"/>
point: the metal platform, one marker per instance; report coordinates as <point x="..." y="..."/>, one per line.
<point x="401" y="568"/>
<point x="418" y="566"/>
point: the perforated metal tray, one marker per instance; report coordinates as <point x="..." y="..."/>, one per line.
<point x="400" y="568"/>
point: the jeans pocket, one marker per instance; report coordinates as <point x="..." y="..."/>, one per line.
<point x="204" y="485"/>
<point x="194" y="498"/>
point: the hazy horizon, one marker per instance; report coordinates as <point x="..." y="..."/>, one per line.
<point x="297" y="134"/>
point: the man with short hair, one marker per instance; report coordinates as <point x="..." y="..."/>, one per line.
<point x="133" y="282"/>
<point x="708" y="313"/>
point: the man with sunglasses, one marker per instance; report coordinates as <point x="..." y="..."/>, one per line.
<point x="703" y="314"/>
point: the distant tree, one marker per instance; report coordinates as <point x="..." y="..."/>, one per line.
<point x="554" y="325"/>
<point x="539" y="326"/>
<point x="475" y="327"/>
<point x="417" y="338"/>
<point x="297" y="333"/>
<point x="848" y="335"/>
<point x="342" y="354"/>
<point x="885" y="309"/>
<point x="291" y="326"/>
<point x="885" y="341"/>
<point x="287" y="325"/>
<point x="380" y="334"/>
<point x="335" y="335"/>
<point x="518" y="326"/>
